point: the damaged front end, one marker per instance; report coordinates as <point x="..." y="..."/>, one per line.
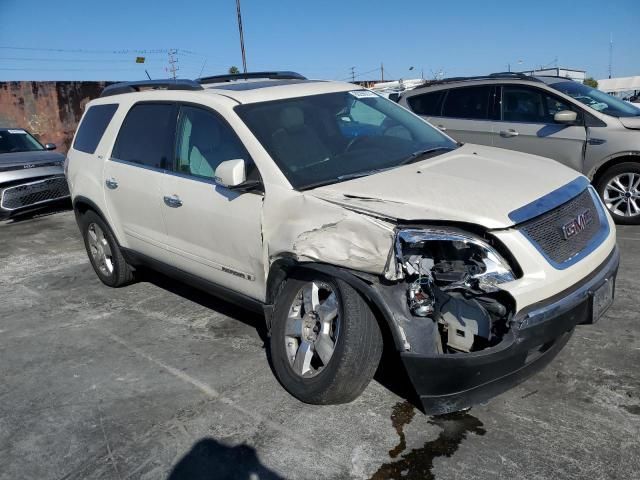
<point x="453" y="279"/>
<point x="463" y="340"/>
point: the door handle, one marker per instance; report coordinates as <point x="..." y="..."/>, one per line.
<point x="111" y="183"/>
<point x="173" y="201"/>
<point x="442" y="127"/>
<point x="509" y="133"/>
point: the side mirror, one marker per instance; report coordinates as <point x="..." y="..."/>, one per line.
<point x="395" y="96"/>
<point x="231" y="173"/>
<point x="565" y="116"/>
<point x="50" y="146"/>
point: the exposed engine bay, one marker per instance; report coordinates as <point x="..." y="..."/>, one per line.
<point x="453" y="279"/>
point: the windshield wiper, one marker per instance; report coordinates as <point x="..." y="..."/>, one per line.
<point x="349" y="176"/>
<point x="421" y="154"/>
<point x="342" y="178"/>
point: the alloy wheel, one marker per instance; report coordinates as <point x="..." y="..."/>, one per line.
<point x="622" y="194"/>
<point x="312" y="328"/>
<point x="100" y="249"/>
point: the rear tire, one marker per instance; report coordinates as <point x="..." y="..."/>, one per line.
<point x="104" y="252"/>
<point x="619" y="189"/>
<point x="341" y="364"/>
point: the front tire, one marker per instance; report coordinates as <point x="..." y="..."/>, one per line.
<point x="104" y="252"/>
<point x="325" y="341"/>
<point x="619" y="188"/>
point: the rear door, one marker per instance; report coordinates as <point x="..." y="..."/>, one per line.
<point x="465" y="113"/>
<point x="213" y="232"/>
<point x="526" y="124"/>
<point x="132" y="176"/>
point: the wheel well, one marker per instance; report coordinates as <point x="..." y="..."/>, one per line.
<point x="611" y="163"/>
<point x="284" y="268"/>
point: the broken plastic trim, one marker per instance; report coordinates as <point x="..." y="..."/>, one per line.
<point x="453" y="278"/>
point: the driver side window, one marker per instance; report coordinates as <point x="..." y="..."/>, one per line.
<point x="529" y="105"/>
<point x="203" y="142"/>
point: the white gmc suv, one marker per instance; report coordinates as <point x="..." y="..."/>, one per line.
<point x="351" y="223"/>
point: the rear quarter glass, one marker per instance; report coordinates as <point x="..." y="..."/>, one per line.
<point x="93" y="126"/>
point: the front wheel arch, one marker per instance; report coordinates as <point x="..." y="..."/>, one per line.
<point x="598" y="172"/>
<point x="284" y="268"/>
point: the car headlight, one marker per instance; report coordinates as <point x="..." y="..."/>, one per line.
<point x="451" y="258"/>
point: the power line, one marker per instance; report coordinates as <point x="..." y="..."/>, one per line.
<point x="125" y="51"/>
<point x="62" y="69"/>
<point x="353" y="76"/>
<point x="76" y="60"/>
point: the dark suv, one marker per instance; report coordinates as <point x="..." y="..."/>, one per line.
<point x="31" y="175"/>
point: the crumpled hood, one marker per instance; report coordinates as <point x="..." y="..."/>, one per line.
<point x="17" y="160"/>
<point x="630" y="122"/>
<point x="473" y="184"/>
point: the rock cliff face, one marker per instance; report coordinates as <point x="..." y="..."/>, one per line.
<point x="49" y="110"/>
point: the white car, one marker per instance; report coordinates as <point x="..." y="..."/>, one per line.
<point x="351" y="223"/>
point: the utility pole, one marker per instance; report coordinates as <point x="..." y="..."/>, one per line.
<point x="610" y="54"/>
<point x="244" y="57"/>
<point x="353" y="74"/>
<point x="173" y="69"/>
<point x="381" y="72"/>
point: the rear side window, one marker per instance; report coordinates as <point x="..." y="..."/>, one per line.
<point x="92" y="128"/>
<point x="146" y="136"/>
<point x="467" y="102"/>
<point x="427" y="103"/>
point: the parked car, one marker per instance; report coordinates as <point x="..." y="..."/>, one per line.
<point x="474" y="263"/>
<point x="31" y="175"/>
<point x="584" y="128"/>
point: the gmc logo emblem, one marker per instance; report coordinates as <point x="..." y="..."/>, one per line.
<point x="577" y="224"/>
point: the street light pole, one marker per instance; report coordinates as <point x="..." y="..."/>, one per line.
<point x="244" y="58"/>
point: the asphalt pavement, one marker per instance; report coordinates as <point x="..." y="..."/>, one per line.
<point x="160" y="381"/>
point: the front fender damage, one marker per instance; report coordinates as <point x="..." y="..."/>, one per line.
<point x="431" y="312"/>
<point x="313" y="230"/>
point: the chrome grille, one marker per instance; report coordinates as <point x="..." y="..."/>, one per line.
<point x="546" y="233"/>
<point x="33" y="193"/>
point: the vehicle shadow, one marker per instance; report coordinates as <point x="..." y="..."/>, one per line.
<point x="209" y="459"/>
<point x="391" y="373"/>
<point x="58" y="207"/>
<point x="206" y="300"/>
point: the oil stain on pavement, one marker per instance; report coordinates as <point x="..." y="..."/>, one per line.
<point x="418" y="463"/>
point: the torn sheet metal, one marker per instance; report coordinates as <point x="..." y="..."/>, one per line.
<point x="313" y="230"/>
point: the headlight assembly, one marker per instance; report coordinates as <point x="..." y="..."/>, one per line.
<point x="451" y="258"/>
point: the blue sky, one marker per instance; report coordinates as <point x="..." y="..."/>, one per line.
<point x="89" y="40"/>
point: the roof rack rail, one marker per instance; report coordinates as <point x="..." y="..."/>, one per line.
<point x="491" y="76"/>
<point x="275" y="75"/>
<point x="170" y="84"/>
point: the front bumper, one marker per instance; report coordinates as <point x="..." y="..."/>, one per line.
<point x="447" y="383"/>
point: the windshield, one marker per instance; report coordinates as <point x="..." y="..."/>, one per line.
<point x="322" y="139"/>
<point x="596" y="99"/>
<point x="18" y="141"/>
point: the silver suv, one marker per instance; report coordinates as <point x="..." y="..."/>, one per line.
<point x="584" y="128"/>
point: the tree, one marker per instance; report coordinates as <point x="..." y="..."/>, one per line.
<point x="591" y="82"/>
<point x="234" y="70"/>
